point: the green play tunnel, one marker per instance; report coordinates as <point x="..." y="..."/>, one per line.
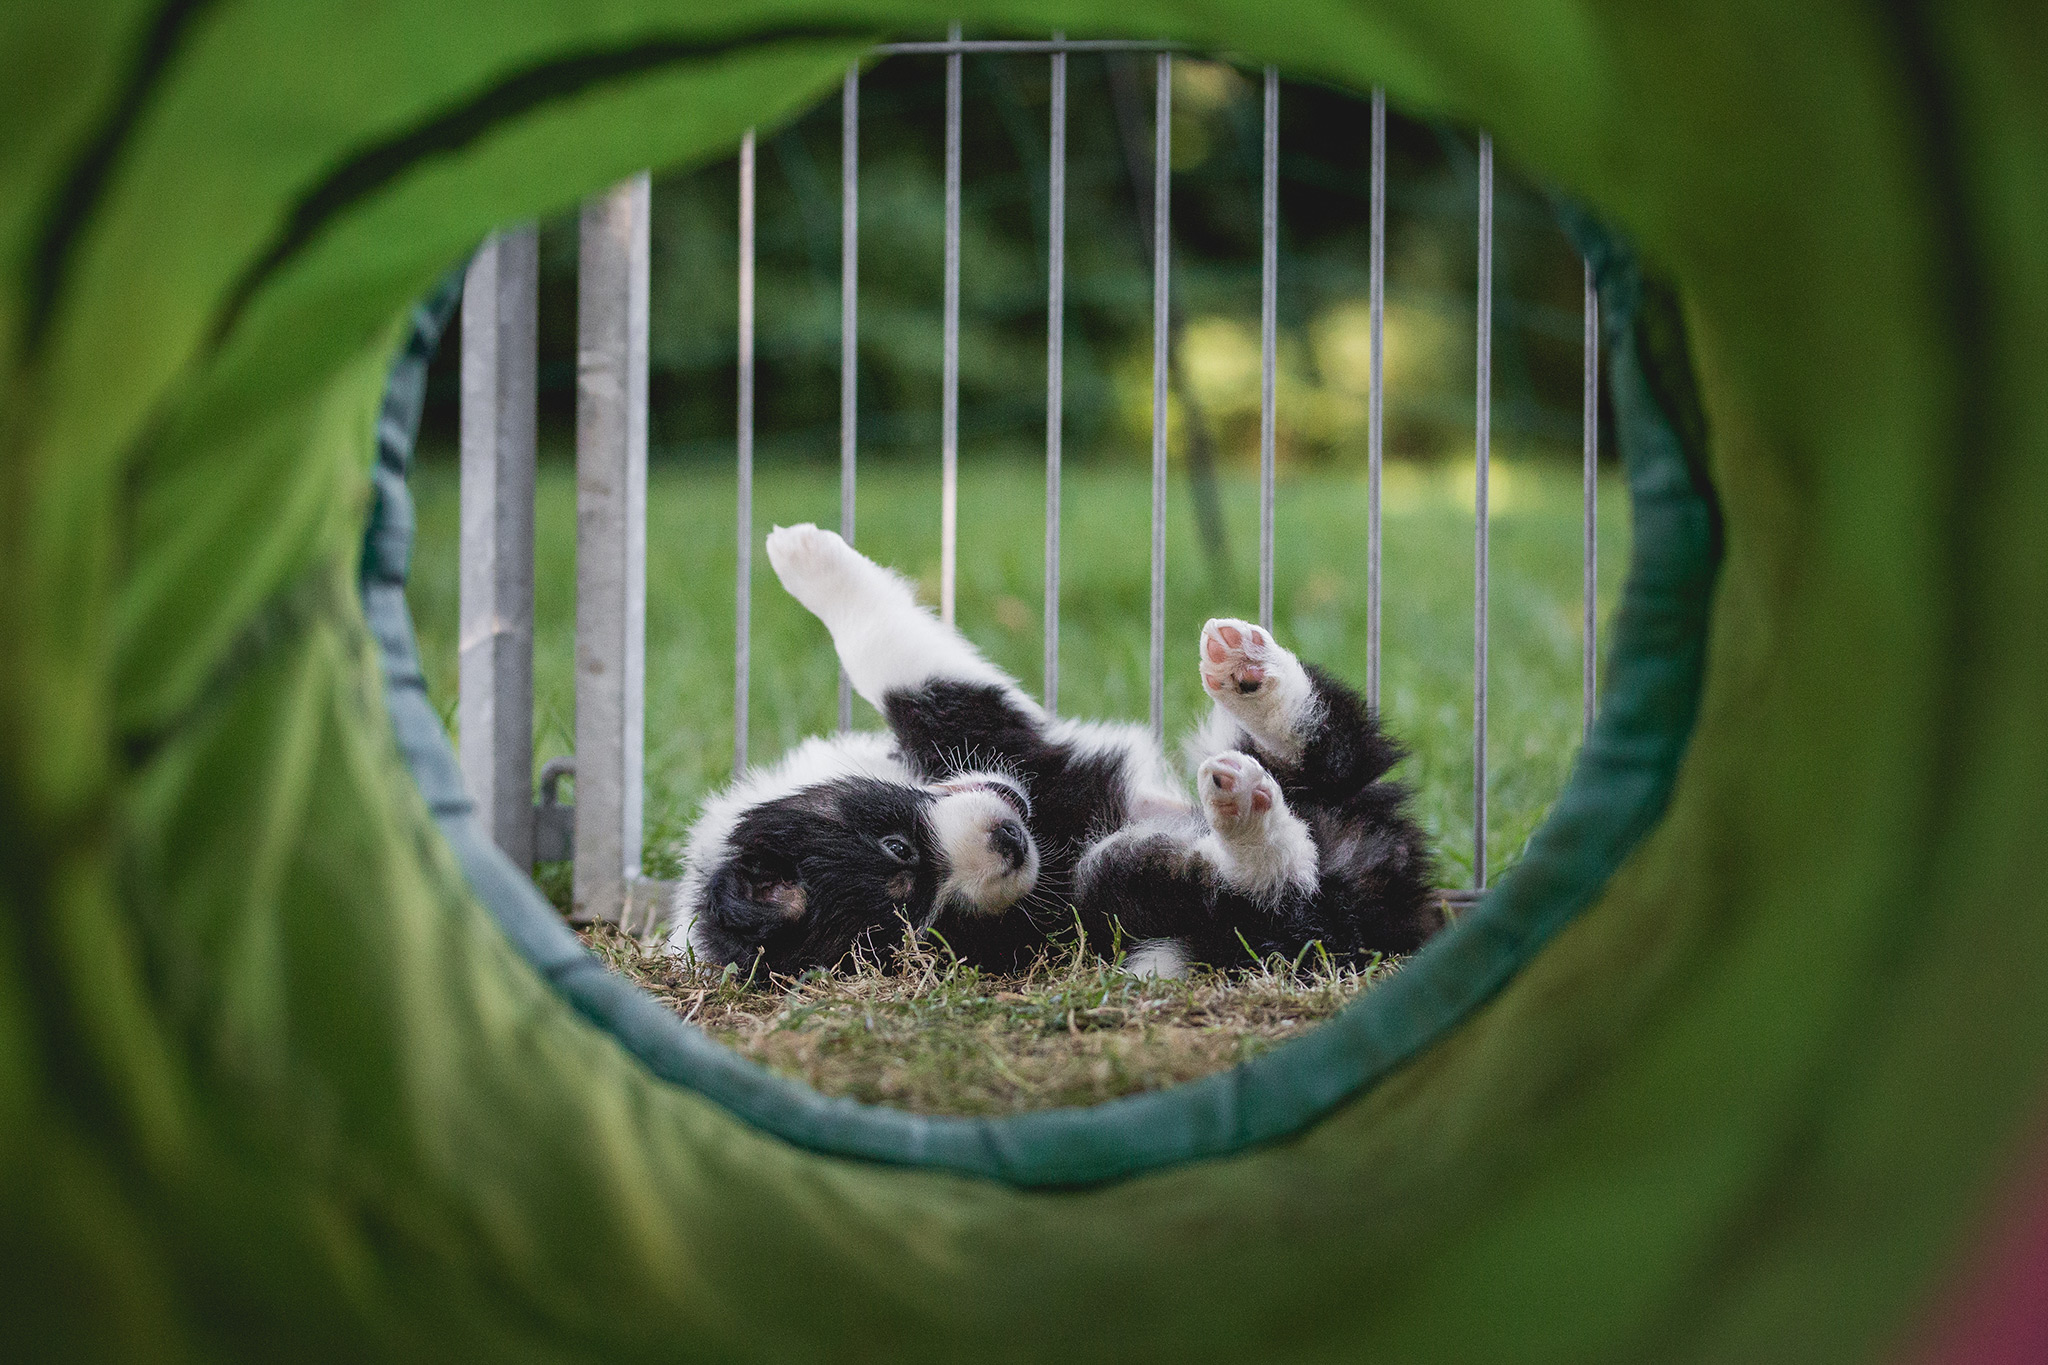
<point x="1743" y="1061"/>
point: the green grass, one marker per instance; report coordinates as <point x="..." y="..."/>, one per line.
<point x="1319" y="611"/>
<point x="927" y="1034"/>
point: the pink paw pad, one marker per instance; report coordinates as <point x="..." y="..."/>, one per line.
<point x="1234" y="656"/>
<point x="1235" y="787"/>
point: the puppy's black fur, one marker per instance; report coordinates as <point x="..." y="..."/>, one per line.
<point x="1374" y="869"/>
<point x="812" y="869"/>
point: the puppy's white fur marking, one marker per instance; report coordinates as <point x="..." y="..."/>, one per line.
<point x="1256" y="844"/>
<point x="1154" y="787"/>
<point x="1009" y="786"/>
<point x="979" y="879"/>
<point x="863" y="753"/>
<point x="1257" y="683"/>
<point x="885" y="640"/>
<point x="1158" y="959"/>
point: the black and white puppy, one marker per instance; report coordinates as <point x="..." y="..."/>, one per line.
<point x="983" y="818"/>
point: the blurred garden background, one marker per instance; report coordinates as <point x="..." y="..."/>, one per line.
<point x="1324" y="358"/>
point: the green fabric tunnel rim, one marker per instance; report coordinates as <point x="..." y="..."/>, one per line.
<point x="1617" y="791"/>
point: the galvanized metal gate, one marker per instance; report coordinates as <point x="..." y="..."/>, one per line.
<point x="495" y="708"/>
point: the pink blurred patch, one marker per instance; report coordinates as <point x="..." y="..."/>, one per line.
<point x="1998" y="1315"/>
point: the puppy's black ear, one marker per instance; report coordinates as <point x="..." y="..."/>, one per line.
<point x="772" y="884"/>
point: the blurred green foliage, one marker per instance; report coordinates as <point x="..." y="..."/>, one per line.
<point x="1215" y="219"/>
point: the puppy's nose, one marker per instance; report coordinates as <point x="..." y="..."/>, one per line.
<point x="1010" y="841"/>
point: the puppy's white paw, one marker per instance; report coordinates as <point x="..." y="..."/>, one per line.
<point x="809" y="559"/>
<point x="1237" y="792"/>
<point x="1237" y="659"/>
<point x="831" y="578"/>
<point x="1259" y="683"/>
<point x="1257" y="845"/>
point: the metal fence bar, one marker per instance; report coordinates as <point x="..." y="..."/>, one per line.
<point x="1480" y="515"/>
<point x="1055" y="366"/>
<point x="743" y="567"/>
<point x="1590" y="627"/>
<point x="1269" y="326"/>
<point x="494" y="705"/>
<point x="1376" y="402"/>
<point x="849" y="328"/>
<point x="611" y="548"/>
<point x="1162" y="172"/>
<point x="949" y="397"/>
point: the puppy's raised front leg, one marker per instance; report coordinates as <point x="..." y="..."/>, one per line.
<point x="1312" y="732"/>
<point x="1260" y="686"/>
<point x="886" y="641"/>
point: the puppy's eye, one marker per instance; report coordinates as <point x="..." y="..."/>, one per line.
<point x="898" y="848"/>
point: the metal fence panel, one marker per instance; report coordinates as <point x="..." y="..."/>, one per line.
<point x="743" y="511"/>
<point x="1269" y="333"/>
<point x="949" y="397"/>
<point x="1376" y="400"/>
<point x="494" y="706"/>
<point x="611" y="548"/>
<point x="849" y="326"/>
<point x="1162" y="194"/>
<point x="1055" y="365"/>
<point x="1483" y="448"/>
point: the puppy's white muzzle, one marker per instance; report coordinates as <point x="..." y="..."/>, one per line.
<point x="991" y="858"/>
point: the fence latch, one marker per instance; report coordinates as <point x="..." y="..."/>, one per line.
<point x="554" y="824"/>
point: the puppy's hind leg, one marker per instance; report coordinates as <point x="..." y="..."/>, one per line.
<point x="886" y="641"/>
<point x="1259" y="848"/>
<point x="1151" y="881"/>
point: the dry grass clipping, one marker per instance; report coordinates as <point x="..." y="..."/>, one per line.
<point x="925" y="1033"/>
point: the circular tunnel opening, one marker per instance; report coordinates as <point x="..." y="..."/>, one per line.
<point x="1372" y="414"/>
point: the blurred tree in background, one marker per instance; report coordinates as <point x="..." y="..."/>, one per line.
<point x="1215" y="218"/>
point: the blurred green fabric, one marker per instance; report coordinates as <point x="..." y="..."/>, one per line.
<point x="273" y="1084"/>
